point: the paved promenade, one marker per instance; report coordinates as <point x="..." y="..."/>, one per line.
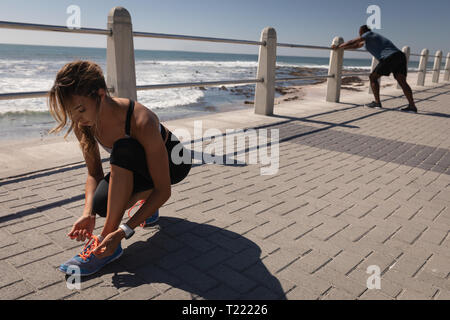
<point x="356" y="187"/>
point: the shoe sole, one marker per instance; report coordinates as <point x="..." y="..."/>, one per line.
<point x="151" y="223"/>
<point x="90" y="274"/>
<point x="373" y="107"/>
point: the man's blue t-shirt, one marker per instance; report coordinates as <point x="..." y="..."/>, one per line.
<point x="379" y="46"/>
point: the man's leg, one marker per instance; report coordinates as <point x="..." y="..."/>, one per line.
<point x="375" y="86"/>
<point x="401" y="79"/>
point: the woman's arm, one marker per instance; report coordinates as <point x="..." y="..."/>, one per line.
<point x="95" y="175"/>
<point x="84" y="226"/>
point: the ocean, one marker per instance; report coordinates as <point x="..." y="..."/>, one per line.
<point x="33" y="68"/>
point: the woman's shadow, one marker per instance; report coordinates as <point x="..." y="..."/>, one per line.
<point x="204" y="260"/>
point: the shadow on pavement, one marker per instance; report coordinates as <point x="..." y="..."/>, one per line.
<point x="204" y="260"/>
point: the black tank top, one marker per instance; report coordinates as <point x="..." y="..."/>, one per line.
<point x="162" y="129"/>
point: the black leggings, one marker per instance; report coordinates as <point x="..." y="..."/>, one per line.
<point x="129" y="154"/>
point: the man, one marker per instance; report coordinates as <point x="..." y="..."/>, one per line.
<point x="390" y="59"/>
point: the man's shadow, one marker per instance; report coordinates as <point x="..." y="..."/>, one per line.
<point x="201" y="259"/>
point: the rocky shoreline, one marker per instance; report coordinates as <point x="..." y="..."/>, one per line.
<point x="292" y="90"/>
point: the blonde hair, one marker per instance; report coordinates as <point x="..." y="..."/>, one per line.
<point x="81" y="78"/>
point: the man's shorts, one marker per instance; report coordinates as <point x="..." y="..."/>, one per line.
<point x="395" y="63"/>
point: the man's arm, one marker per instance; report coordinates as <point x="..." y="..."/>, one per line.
<point x="351" y="44"/>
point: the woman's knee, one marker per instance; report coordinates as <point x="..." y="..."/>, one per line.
<point x="125" y="151"/>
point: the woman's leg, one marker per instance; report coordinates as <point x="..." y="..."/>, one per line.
<point x="101" y="198"/>
<point x="128" y="153"/>
<point x="120" y="198"/>
<point x="119" y="195"/>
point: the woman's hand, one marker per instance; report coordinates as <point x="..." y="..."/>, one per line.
<point x="82" y="228"/>
<point x="109" y="244"/>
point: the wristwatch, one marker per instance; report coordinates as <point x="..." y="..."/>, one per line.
<point x="128" y="231"/>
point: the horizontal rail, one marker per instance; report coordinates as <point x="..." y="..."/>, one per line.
<point x="108" y="32"/>
<point x="421" y="55"/>
<point x="356" y="74"/>
<point x="29" y="95"/>
<point x="304" y="78"/>
<point x="195" y="38"/>
<point x="23" y="95"/>
<point x="368" y="73"/>
<point x="196" y="84"/>
<point x="304" y="46"/>
<point x="44" y="27"/>
<point x="288" y="45"/>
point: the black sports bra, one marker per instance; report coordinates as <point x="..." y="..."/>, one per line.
<point x="162" y="129"/>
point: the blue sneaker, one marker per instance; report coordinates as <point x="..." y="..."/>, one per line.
<point x="87" y="262"/>
<point x="150" y="221"/>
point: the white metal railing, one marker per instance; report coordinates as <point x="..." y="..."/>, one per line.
<point x="44" y="27"/>
<point x="195" y="38"/>
<point x="196" y="84"/>
<point x="121" y="74"/>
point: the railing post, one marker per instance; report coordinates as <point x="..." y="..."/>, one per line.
<point x="437" y="67"/>
<point x="335" y="69"/>
<point x="447" y="68"/>
<point x="121" y="71"/>
<point x="265" y="91"/>
<point x="422" y="67"/>
<point x="372" y="67"/>
<point x="407" y="51"/>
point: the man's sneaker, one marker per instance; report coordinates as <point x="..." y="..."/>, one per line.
<point x="150" y="221"/>
<point x="86" y="263"/>
<point x="410" y="108"/>
<point x="373" y="104"/>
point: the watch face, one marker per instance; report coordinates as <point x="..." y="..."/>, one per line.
<point x="130" y="235"/>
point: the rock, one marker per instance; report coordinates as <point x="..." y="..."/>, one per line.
<point x="350" y="88"/>
<point x="291" y="99"/>
<point x="349" y="80"/>
<point x="248" y="102"/>
<point x="223" y="88"/>
<point x="202" y="88"/>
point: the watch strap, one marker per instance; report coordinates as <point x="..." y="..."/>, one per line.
<point x="128" y="231"/>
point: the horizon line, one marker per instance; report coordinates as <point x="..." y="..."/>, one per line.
<point x="188" y="51"/>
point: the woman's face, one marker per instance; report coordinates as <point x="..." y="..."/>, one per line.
<point x="83" y="111"/>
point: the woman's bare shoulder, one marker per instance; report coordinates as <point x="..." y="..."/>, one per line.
<point x="144" y="117"/>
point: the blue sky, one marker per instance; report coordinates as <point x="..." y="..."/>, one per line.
<point x="418" y="24"/>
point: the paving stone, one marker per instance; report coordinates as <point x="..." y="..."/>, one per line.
<point x="16" y="290"/>
<point x="143" y="292"/>
<point x="233" y="279"/>
<point x="300" y="293"/>
<point x="195" y="278"/>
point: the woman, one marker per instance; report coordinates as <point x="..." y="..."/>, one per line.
<point x="141" y="161"/>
